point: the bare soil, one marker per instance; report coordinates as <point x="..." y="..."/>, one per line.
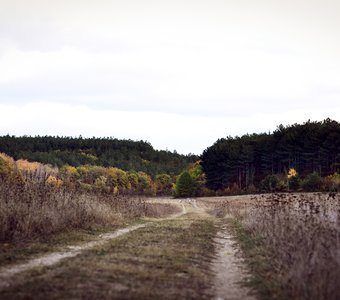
<point x="230" y="270"/>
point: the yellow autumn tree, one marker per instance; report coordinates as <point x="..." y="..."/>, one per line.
<point x="25" y="165"/>
<point x="133" y="179"/>
<point x="292" y="173"/>
<point x="6" y="166"/>
<point x="163" y="184"/>
<point x="198" y="176"/>
<point x="69" y="171"/>
<point x="293" y="179"/>
<point x="118" y="180"/>
<point x="100" y="184"/>
<point x="54" y="181"/>
<point x="145" y="184"/>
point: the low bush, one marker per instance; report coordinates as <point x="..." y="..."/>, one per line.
<point x="294" y="183"/>
<point x="311" y="183"/>
<point x="331" y="183"/>
<point x="269" y="183"/>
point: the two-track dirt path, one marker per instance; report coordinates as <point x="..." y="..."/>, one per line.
<point x="226" y="267"/>
<point x="7" y="274"/>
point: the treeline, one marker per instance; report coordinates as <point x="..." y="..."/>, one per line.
<point x="86" y="178"/>
<point x="313" y="147"/>
<point x="127" y="155"/>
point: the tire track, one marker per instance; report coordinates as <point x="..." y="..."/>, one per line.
<point x="7" y="273"/>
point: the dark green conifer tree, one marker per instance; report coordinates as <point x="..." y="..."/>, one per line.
<point x="185" y="186"/>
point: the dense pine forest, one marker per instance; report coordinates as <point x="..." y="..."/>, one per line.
<point x="127" y="155"/>
<point x="310" y="148"/>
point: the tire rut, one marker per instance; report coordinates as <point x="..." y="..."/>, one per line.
<point x="7" y="273"/>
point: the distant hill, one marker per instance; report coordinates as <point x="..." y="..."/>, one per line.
<point x="244" y="161"/>
<point x="124" y="154"/>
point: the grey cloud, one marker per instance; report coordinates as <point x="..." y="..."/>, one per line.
<point x="38" y="27"/>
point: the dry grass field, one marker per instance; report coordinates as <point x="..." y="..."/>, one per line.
<point x="290" y="245"/>
<point x="37" y="218"/>
<point x="291" y="242"/>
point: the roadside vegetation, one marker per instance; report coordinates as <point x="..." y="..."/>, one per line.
<point x="38" y="205"/>
<point x="165" y="260"/>
<point x="290" y="241"/>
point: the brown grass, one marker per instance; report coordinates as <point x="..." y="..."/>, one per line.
<point x="35" y="210"/>
<point x="297" y="238"/>
<point x="165" y="260"/>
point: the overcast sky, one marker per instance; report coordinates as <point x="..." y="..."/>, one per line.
<point x="179" y="74"/>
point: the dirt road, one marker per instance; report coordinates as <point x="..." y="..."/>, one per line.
<point x="185" y="256"/>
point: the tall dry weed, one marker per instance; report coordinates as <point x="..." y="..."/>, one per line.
<point x="301" y="234"/>
<point x="36" y="210"/>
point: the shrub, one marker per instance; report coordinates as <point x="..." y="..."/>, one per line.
<point x="251" y="189"/>
<point x="331" y="183"/>
<point x="281" y="186"/>
<point x="207" y="192"/>
<point x="133" y="180"/>
<point x="163" y="184"/>
<point x="269" y="183"/>
<point x="294" y="183"/>
<point x="312" y="182"/>
<point x="54" y="182"/>
<point x="6" y="166"/>
<point x="196" y="172"/>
